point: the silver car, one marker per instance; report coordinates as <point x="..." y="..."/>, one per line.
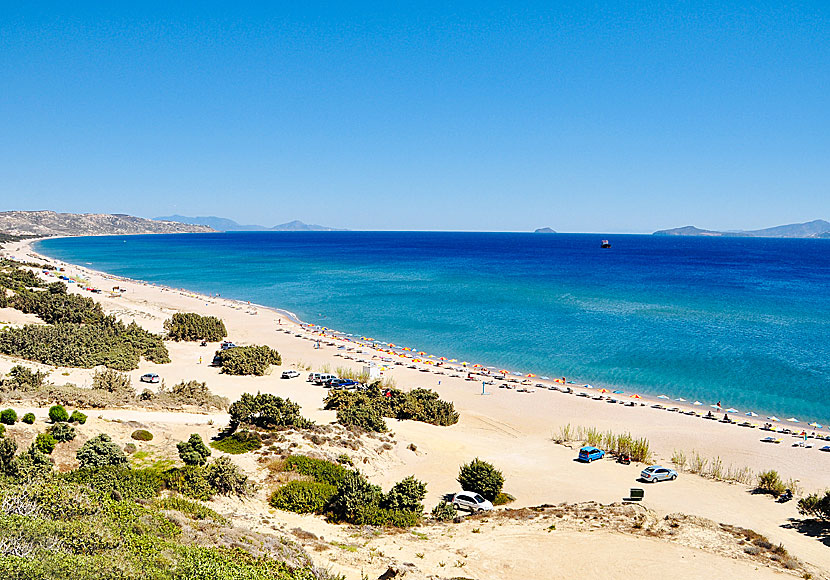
<point x="657" y="473"/>
<point x="471" y="501"/>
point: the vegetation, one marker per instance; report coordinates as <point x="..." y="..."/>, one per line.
<point x="29" y="418"/>
<point x="444" y="512"/>
<point x="482" y="478"/>
<point x="142" y="435"/>
<point x="816" y="505"/>
<point x="225" y="478"/>
<point x="57" y="414"/>
<point x="266" y="412"/>
<point x="45" y="443"/>
<point x="247" y="360"/>
<point x="194" y="393"/>
<point x="193" y="451"/>
<point x="770" y="482"/>
<point x="345" y="495"/>
<point x="8" y="417"/>
<point x="111" y="381"/>
<point x="62" y="432"/>
<point x="22" y="379"/>
<point x="100" y="451"/>
<point x="614" y="443"/>
<point x="238" y="442"/>
<point x="366" y="409"/>
<point x="191" y="326"/>
<point x="77" y="417"/>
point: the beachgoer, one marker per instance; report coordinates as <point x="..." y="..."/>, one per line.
<point x="200" y="360"/>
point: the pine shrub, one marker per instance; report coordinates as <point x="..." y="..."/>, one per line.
<point x="29" y="418"/>
<point x="8" y="416"/>
<point x="45" y="443"/>
<point x="302" y="497"/>
<point x="57" y="414"/>
<point x="77" y="417"/>
<point x="481" y="477"/>
<point x="100" y="451"/>
<point x="62" y="432"/>
<point x="142" y="435"/>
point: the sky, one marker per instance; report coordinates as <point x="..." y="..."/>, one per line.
<point x="580" y="116"/>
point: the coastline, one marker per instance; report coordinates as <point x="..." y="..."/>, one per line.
<point x="510" y="428"/>
<point x="779" y="419"/>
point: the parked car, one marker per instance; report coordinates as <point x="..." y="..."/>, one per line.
<point x="589" y="454"/>
<point x="341" y="384"/>
<point x="657" y="473"/>
<point x="471" y="501"/>
<point x="323" y="378"/>
<point x="289" y="374"/>
<point x="226" y="344"/>
<point x="312" y="377"/>
<point x="149" y="378"/>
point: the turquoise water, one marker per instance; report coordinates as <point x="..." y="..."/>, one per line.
<point x="738" y="320"/>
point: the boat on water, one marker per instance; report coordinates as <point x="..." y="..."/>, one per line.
<point x="605" y="244"/>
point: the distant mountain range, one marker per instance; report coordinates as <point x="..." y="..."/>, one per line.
<point x="226" y="225"/>
<point x="813" y="229"/>
<point x="50" y="223"/>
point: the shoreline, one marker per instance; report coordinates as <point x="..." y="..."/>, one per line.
<point x="680" y="404"/>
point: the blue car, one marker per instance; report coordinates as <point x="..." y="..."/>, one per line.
<point x="589" y="454"/>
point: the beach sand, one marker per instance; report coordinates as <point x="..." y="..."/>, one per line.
<point x="511" y="429"/>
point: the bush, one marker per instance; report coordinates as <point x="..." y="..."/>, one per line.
<point x="118" y="480"/>
<point x="239" y="442"/>
<point x="770" y="482"/>
<point x="22" y="379"/>
<point x="100" y="451"/>
<point x="191" y="326"/>
<point x="503" y="499"/>
<point x="302" y="497"/>
<point x="363" y="416"/>
<point x="815" y="505"/>
<point x="482" y="478"/>
<point x="190" y="481"/>
<point x="225" y="478"/>
<point x="8" y="447"/>
<point x="45" y="443"/>
<point x="77" y="417"/>
<point x="2" y="430"/>
<point x="374" y="515"/>
<point x="142" y="435"/>
<point x="58" y="414"/>
<point x="8" y="417"/>
<point x="266" y="411"/>
<point x="418" y="405"/>
<point x="406" y="495"/>
<point x="112" y="381"/>
<point x="353" y="494"/>
<point x="319" y="470"/>
<point x="29" y="418"/>
<point x="247" y="360"/>
<point x="444" y="512"/>
<point x="62" y="432"/>
<point x="193" y="451"/>
<point x="194" y="393"/>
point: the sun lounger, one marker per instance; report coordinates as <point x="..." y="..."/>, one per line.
<point x="636" y="494"/>
<point x="770" y="440"/>
<point x="825" y="448"/>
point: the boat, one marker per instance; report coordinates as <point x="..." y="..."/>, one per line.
<point x="605" y="244"/>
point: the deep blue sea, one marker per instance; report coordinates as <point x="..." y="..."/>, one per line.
<point x="739" y="320"/>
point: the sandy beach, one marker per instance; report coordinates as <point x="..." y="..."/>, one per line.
<point x="508" y="427"/>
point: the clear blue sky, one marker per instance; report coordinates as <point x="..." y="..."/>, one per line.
<point x="619" y="117"/>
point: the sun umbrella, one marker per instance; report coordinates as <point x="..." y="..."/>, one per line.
<point x="752" y="414"/>
<point x="793" y="420"/>
<point x="680" y="399"/>
<point x="816" y="425"/>
<point x="477" y="366"/>
<point x="636" y="396"/>
<point x="603" y="390"/>
<point x="731" y="410"/>
<point x="662" y="397"/>
<point x="618" y="392"/>
<point x="697" y="403"/>
<point x="453" y="360"/>
<point x="442" y="358"/>
<point x="530" y="375"/>
<point x="773" y="418"/>
<point x="504" y="371"/>
<point x="545" y="378"/>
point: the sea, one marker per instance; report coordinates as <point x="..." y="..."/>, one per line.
<point x="741" y="321"/>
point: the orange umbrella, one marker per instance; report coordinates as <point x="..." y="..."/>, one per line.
<point x="530" y="375"/>
<point x="603" y="390"/>
<point x="504" y="371"/>
<point x="477" y="366"/>
<point x="636" y="396"/>
<point x="442" y="358"/>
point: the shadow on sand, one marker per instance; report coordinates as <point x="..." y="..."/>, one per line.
<point x="812" y="528"/>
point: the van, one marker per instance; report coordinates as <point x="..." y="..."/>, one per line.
<point x="323" y="377"/>
<point x="312" y="377"/>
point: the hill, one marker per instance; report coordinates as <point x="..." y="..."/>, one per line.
<point x="50" y="223"/>
<point x="812" y="229"/>
<point x="544" y="231"/>
<point x="227" y="225"/>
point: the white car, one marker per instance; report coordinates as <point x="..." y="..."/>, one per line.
<point x="289" y="374"/>
<point x="471" y="501"/>
<point x="149" y="378"/>
<point x="657" y="473"/>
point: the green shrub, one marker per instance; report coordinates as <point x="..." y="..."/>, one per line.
<point x="112" y="381"/>
<point x="362" y="416"/>
<point x="353" y="494"/>
<point x="319" y="470"/>
<point x="57" y="414"/>
<point x="8" y="447"/>
<point x="374" y="515"/>
<point x="247" y="360"/>
<point x="482" y="478"/>
<point x="193" y="451"/>
<point x="503" y="499"/>
<point x="20" y="378"/>
<point x="405" y="496"/>
<point x="45" y="443"/>
<point x="815" y="505"/>
<point x="100" y="451"/>
<point x="77" y="417"/>
<point x="302" y="497"/>
<point x="191" y="326"/>
<point x="193" y="509"/>
<point x="8" y="417"/>
<point x="118" y="480"/>
<point x="29" y="418"/>
<point x="31" y="464"/>
<point x="418" y="405"/>
<point x="239" y="442"/>
<point x="225" y="478"/>
<point x="444" y="512"/>
<point x="142" y="435"/>
<point x="344" y="459"/>
<point x="193" y="393"/>
<point x="266" y="412"/>
<point x="2" y="430"/>
<point x="770" y="482"/>
<point x="190" y="481"/>
<point x="62" y="432"/>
